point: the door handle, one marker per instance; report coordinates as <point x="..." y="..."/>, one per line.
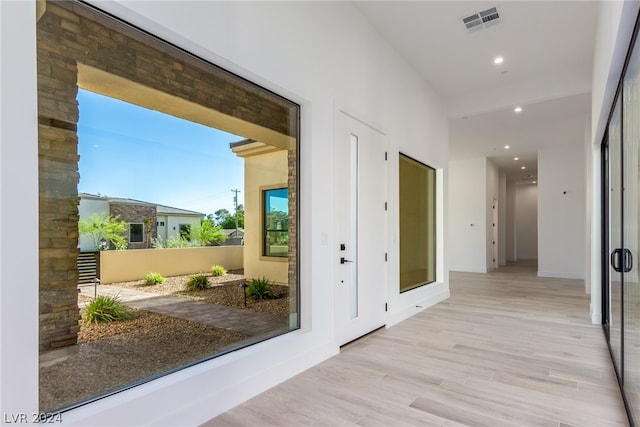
<point x="615" y="259"/>
<point x="622" y="260"/>
<point x="628" y="261"/>
<point x="343" y="260"/>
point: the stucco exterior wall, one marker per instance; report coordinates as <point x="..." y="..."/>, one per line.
<point x="121" y="266"/>
<point x="173" y="224"/>
<point x="262" y="172"/>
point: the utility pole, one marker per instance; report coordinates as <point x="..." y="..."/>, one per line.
<point x="235" y="201"/>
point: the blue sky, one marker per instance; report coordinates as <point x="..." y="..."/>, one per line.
<point x="134" y="152"/>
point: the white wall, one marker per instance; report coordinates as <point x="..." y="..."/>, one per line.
<point x="561" y="213"/>
<point x="492" y="192"/>
<point x="502" y="219"/>
<point x="613" y="35"/>
<point x="591" y="242"/>
<point x="87" y="207"/>
<point x="526" y="221"/>
<point x="323" y="55"/>
<point x="473" y="185"/>
<point x="468" y="215"/>
<point x="173" y="223"/>
<point x="510" y="232"/>
<point x="19" y="213"/>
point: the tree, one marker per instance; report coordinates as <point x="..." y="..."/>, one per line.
<point x="225" y="220"/>
<point x="103" y="226"/>
<point x="277" y="220"/>
<point x="206" y="233"/>
<point x="219" y="216"/>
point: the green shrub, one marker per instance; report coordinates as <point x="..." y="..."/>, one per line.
<point x="106" y="308"/>
<point x="218" y="270"/>
<point x="152" y="278"/>
<point x="197" y="283"/>
<point x="260" y="289"/>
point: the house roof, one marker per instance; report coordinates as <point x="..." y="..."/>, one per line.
<point x="160" y="209"/>
<point x="168" y="210"/>
<point x="230" y="231"/>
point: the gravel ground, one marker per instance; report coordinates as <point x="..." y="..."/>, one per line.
<point x="225" y="290"/>
<point x="112" y="355"/>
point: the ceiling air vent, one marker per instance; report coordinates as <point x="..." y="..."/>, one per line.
<point x="481" y="20"/>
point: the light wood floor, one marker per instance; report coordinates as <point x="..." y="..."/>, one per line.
<point x="507" y="349"/>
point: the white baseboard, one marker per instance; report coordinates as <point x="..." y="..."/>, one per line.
<point x="397" y="317"/>
<point x="468" y="270"/>
<point x="561" y="275"/>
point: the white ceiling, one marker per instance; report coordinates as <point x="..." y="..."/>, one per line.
<point x="548" y="52"/>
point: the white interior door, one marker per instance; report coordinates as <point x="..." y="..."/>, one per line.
<point x="361" y="192"/>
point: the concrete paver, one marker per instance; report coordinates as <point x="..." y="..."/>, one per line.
<point x="235" y="319"/>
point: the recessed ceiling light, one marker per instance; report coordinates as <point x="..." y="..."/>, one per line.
<point x="506" y="147"/>
<point x="516" y="158"/>
<point x="534" y="182"/>
<point x="523" y="167"/>
<point x="498" y="60"/>
<point x="518" y="109"/>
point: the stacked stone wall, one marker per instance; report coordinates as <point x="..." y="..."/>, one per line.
<point x="140" y="214"/>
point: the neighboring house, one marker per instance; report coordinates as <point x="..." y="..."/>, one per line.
<point x="265" y="194"/>
<point x="146" y="220"/>
<point x="234" y="237"/>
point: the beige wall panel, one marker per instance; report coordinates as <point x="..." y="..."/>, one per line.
<point x="262" y="172"/>
<point x="120" y="266"/>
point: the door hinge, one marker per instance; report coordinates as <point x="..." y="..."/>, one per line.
<point x="386" y="307"/>
<point x="385" y="206"/>
<point x="385" y="155"/>
<point x="385" y="256"/>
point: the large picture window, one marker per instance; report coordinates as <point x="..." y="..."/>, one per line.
<point x="276" y="222"/>
<point x="139" y="143"/>
<point x="417" y="224"/>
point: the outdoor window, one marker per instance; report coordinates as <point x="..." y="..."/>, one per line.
<point x="132" y="129"/>
<point x="276" y="222"/>
<point x="136" y="232"/>
<point x="417" y="224"/>
<point x="185" y="231"/>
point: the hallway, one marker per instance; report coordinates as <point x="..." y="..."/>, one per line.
<point x="507" y="349"/>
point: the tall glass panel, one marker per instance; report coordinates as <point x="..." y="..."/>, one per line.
<point x="631" y="158"/>
<point x="417" y="224"/>
<point x="615" y="197"/>
<point x="615" y="276"/>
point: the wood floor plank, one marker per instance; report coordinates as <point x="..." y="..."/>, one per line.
<point x="506" y="349"/>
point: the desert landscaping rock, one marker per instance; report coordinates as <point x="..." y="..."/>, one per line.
<point x="113" y="355"/>
<point x="110" y="356"/>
